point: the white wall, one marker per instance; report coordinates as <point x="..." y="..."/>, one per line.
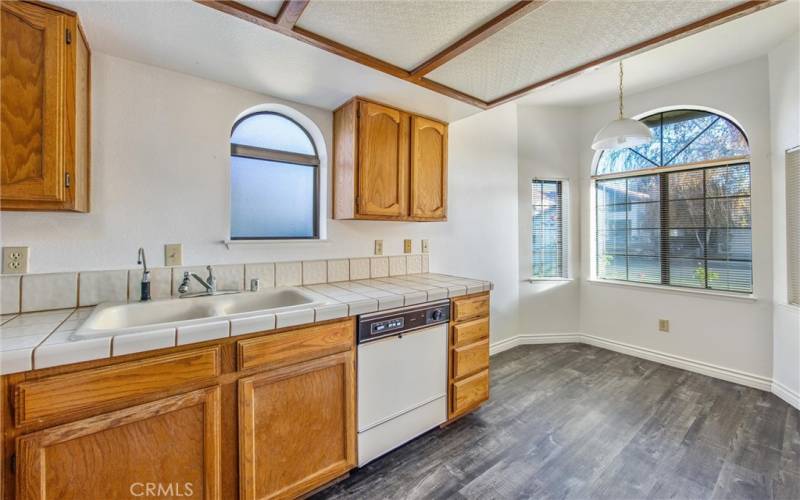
<point x="732" y="333"/>
<point x="547" y="148"/>
<point x="784" y="86"/>
<point x="160" y="175"/>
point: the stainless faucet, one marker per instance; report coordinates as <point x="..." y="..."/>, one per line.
<point x="210" y="283"/>
<point x="145" y="284"/>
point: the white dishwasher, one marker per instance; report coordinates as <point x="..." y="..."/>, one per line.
<point x="402" y="376"/>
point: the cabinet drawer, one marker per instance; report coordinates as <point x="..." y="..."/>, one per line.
<point x="72" y="392"/>
<point x="472" y="331"/>
<point x="470" y="392"/>
<point x="471" y="307"/>
<point x="470" y="358"/>
<point x="293" y="346"/>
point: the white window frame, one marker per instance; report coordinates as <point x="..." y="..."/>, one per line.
<point x="566" y="222"/>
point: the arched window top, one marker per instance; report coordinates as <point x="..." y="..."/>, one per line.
<point x="268" y="130"/>
<point x="680" y="137"/>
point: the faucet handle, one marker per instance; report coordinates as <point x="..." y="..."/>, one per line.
<point x="184" y="284"/>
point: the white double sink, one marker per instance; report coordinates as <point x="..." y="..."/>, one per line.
<point x="119" y="318"/>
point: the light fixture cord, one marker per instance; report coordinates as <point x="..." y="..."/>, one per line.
<point x="620" y="90"/>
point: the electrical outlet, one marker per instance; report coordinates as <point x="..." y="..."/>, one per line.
<point x="173" y="254"/>
<point x="424" y="246"/>
<point x="407" y="246"/>
<point x="663" y="325"/>
<point x="378" y="247"/>
<point x="15" y="260"/>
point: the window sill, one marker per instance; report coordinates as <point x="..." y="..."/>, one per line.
<point x="546" y="280"/>
<point x="675" y="290"/>
<point x="233" y="243"/>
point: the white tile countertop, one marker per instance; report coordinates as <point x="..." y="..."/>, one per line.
<point x="44" y="339"/>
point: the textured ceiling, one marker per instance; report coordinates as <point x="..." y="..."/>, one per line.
<point x="269" y="7"/>
<point x="404" y="33"/>
<point x="562" y="35"/>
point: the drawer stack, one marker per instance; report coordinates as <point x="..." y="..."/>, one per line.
<point x="469" y="354"/>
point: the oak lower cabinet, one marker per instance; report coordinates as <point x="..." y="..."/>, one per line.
<point x="168" y="448"/>
<point x="388" y="164"/>
<point x="44" y="109"/>
<point x="468" y="386"/>
<point x="297" y="427"/>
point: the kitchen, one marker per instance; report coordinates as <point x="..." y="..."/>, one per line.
<point x="175" y="313"/>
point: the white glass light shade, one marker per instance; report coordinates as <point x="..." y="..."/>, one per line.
<point x="622" y="133"/>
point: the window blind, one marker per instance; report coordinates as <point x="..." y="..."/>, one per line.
<point x="549" y="229"/>
<point x="687" y="228"/>
<point x="793" y="222"/>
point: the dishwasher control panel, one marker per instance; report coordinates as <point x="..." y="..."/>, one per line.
<point x="397" y="321"/>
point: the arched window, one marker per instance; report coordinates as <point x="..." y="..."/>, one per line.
<point x="274" y="179"/>
<point x="676" y="211"/>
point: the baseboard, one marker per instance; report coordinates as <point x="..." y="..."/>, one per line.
<point x="786" y="394"/>
<point x="533" y="338"/>
<point x="720" y="372"/>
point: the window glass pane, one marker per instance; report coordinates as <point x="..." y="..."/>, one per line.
<point x="686" y="214"/>
<point x="547" y="229"/>
<point x="730" y="244"/>
<point x="685" y="185"/>
<point x="612" y="217"/>
<point x="728" y="212"/>
<point x="622" y="160"/>
<point x="271" y="131"/>
<point x="722" y="140"/>
<point x="687" y="272"/>
<point x="644" y="242"/>
<point x="687" y="243"/>
<point x="681" y="127"/>
<point x="731" y="276"/>
<point x="611" y="192"/>
<point x="271" y="199"/>
<point x="612" y="267"/>
<point x="612" y="242"/>
<point x="728" y="181"/>
<point x="644" y="269"/>
<point x="644" y="188"/>
<point x="644" y="215"/>
<point x="652" y="151"/>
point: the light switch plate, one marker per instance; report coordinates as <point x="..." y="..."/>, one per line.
<point x="663" y="325"/>
<point x="15" y="260"/>
<point x="378" y="247"/>
<point x="173" y="254"/>
<point x="424" y="246"/>
<point x="407" y="246"/>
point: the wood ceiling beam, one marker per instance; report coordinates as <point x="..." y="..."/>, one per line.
<point x="290" y="12"/>
<point x="725" y="16"/>
<point x="479" y="34"/>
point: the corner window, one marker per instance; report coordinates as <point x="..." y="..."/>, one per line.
<point x="548" y="229"/>
<point x="274" y="179"/>
<point x="677" y="211"/>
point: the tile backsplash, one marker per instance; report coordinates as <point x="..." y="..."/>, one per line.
<point x="42" y="292"/>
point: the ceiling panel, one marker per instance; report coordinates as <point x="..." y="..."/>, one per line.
<point x="404" y="33"/>
<point x="562" y="35"/>
<point x="269" y="7"/>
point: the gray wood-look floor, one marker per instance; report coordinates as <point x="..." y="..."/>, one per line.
<point x="575" y="421"/>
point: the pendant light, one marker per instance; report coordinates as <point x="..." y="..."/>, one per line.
<point x="622" y="132"/>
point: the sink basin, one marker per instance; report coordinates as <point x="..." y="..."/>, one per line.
<point x="138" y="316"/>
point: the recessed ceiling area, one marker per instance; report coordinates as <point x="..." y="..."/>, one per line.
<point x="193" y="39"/>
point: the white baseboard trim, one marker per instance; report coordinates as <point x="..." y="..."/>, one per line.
<point x="786" y="394"/>
<point x="720" y="372"/>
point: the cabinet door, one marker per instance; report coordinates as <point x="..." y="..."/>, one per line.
<point x="382" y="161"/>
<point x="428" y="169"/>
<point x="34" y="60"/>
<point x="296" y="427"/>
<point x="169" y="447"/>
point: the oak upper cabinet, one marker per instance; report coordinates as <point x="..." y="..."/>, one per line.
<point x="44" y="107"/>
<point x="388" y="164"/>
<point x="171" y="443"/>
<point x="296" y="427"/>
<point x="428" y="169"/>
